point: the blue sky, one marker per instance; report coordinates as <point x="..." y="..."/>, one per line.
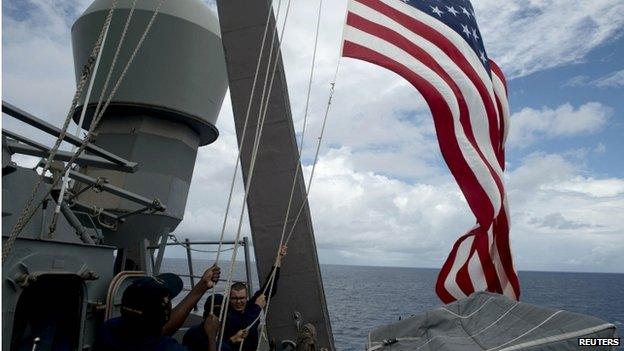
<point x="380" y="166"/>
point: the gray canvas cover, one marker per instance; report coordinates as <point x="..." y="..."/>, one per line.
<point x="486" y="321"/>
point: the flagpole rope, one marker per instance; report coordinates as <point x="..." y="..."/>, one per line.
<point x="272" y="277"/>
<point x="298" y="167"/>
<point x="238" y="159"/>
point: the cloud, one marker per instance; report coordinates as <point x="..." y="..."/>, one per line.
<point x="527" y="36"/>
<point x="557" y="221"/>
<point x="530" y="125"/>
<point x="577" y="81"/>
<point x="612" y="80"/>
<point x="563" y="219"/>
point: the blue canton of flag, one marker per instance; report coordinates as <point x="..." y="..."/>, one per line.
<point x="458" y="15"/>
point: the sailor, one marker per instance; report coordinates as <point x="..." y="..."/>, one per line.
<point x="243" y="312"/>
<point x="242" y="315"/>
<point x="147" y="319"/>
<point x="197" y="337"/>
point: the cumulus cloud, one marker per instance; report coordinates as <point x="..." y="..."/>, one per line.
<point x="558" y="212"/>
<point x="530" y="125"/>
<point x="528" y="36"/>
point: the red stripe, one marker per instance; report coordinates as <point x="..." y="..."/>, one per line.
<point x="483" y="250"/>
<point x="500" y="147"/>
<point x="501" y="234"/>
<point x="451" y="50"/>
<point x="463" y="275"/>
<point x="443" y="294"/>
<point x="444" y="128"/>
<point x="443" y="122"/>
<point x="421" y="55"/>
<point x="499" y="73"/>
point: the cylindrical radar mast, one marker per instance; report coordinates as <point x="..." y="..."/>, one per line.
<point x="164" y="109"/>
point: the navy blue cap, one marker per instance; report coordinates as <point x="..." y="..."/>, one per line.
<point x="150" y="295"/>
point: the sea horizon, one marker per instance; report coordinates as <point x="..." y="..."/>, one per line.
<point x="414" y="267"/>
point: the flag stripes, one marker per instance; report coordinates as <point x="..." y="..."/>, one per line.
<point x="470" y="114"/>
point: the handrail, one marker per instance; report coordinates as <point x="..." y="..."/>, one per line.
<point x="187" y="245"/>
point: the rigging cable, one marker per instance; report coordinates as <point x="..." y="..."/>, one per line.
<point x="254" y="155"/>
<point x="298" y="167"/>
<point x="85" y="105"/>
<point x="310" y="179"/>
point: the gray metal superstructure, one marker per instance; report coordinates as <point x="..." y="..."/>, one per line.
<point x="164" y="110"/>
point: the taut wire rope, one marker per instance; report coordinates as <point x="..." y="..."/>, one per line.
<point x="81" y="120"/>
<point x="258" y="136"/>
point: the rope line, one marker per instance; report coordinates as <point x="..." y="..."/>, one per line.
<point x="318" y="146"/>
<point x="28" y="212"/>
<point x="254" y="155"/>
<point x="294" y="182"/>
<point x="242" y="142"/>
<point x="84" y="110"/>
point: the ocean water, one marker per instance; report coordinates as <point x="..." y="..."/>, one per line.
<point x="360" y="299"/>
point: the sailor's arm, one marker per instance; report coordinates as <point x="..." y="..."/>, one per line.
<point x="182" y="310"/>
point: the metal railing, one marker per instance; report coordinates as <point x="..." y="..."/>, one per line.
<point x="187" y="244"/>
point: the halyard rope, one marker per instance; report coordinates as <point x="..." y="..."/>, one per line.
<point x="304" y="201"/>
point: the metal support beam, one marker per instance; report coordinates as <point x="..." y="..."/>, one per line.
<point x="189" y="260"/>
<point x="33" y="148"/>
<point x="161" y="250"/>
<point x="86" y="208"/>
<point x="151" y="204"/>
<point x="248" y="266"/>
<point x="75" y="223"/>
<point x="54" y="131"/>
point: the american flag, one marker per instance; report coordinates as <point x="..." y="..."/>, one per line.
<point x="436" y="45"/>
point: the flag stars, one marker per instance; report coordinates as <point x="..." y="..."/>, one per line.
<point x="436" y="10"/>
<point x="466" y="30"/>
<point x="465" y="11"/>
<point x="474" y="34"/>
<point x="482" y="56"/>
<point x="452" y="10"/>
